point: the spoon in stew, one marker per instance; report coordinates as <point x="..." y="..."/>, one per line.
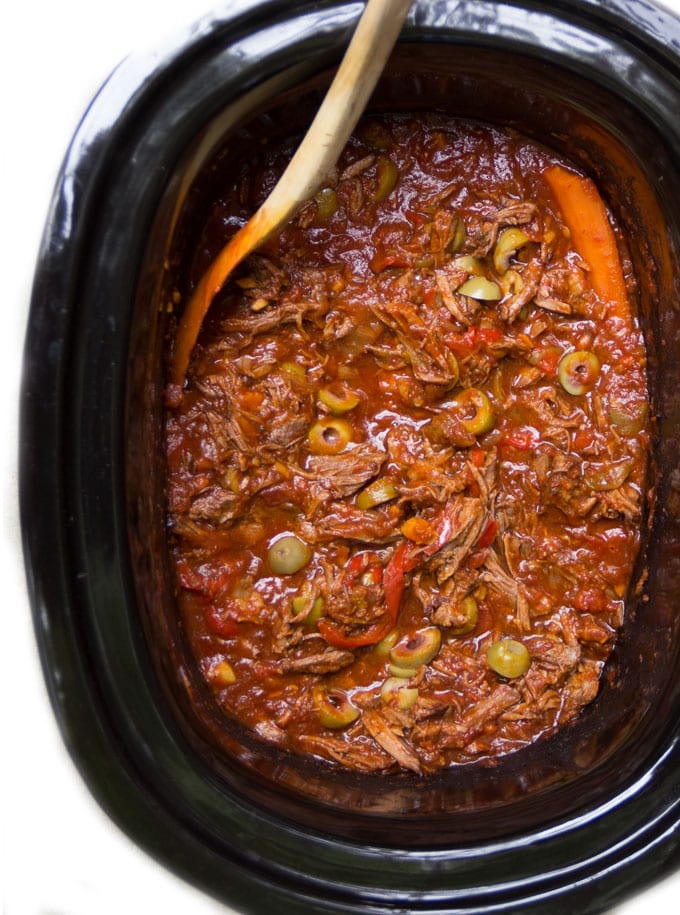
<point x="366" y="55"/>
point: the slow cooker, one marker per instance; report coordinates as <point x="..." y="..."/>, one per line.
<point x="574" y="823"/>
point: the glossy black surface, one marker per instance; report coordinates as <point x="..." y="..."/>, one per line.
<point x="572" y="825"/>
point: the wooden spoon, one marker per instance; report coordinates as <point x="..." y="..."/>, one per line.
<point x="345" y="101"/>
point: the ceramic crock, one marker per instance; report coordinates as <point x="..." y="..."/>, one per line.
<point x="574" y="823"/>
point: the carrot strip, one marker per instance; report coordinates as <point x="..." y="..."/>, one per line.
<point x="586" y="217"/>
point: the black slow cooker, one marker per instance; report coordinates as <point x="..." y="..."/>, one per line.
<point x="573" y="824"/>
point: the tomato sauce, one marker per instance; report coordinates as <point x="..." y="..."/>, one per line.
<point x="406" y="475"/>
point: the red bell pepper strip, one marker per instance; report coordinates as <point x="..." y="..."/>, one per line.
<point x="401" y="562"/>
<point x="488" y="535"/>
<point x="335" y="634"/>
<point x="393" y="579"/>
<point x="406" y="557"/>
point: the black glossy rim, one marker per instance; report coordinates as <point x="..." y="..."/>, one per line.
<point x="75" y="518"/>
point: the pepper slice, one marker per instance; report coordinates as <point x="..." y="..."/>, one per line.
<point x="401" y="562"/>
<point x="365" y="564"/>
<point x="488" y="535"/>
<point x="336" y="636"/>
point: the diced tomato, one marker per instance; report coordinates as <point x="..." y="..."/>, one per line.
<point x="548" y="360"/>
<point x="367" y="566"/>
<point x="477" y="456"/>
<point x="206" y="579"/>
<point x="486" y="335"/>
<point x="461" y="344"/>
<point x="472" y="338"/>
<point x="524" y="438"/>
<point x="189" y="577"/>
<point x="591" y="600"/>
<point x="583" y="438"/>
<point x="220" y="624"/>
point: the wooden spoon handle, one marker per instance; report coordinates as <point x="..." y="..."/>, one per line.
<point x="364" y="60"/>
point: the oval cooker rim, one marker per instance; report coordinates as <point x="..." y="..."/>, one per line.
<point x="589" y="871"/>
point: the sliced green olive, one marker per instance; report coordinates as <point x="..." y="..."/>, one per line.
<point x="578" y="371"/>
<point x="395" y="692"/>
<point x="608" y="476"/>
<point x="402" y="673"/>
<point x="386" y="644"/>
<point x="512" y="283"/>
<point x="338" y="398"/>
<point x="473" y="265"/>
<point x="313" y="613"/>
<point x="508" y="658"/>
<point x="299" y="603"/>
<point x="316" y="612"/>
<point x="415" y="650"/>
<point x="387" y="174"/>
<point x="478" y="287"/>
<point x="329" y="435"/>
<point x="288" y="554"/>
<point x="333" y="707"/>
<point x="293" y="371"/>
<point x="466" y="616"/>
<point x="478" y="415"/>
<point x="509" y="242"/>
<point x="376" y="493"/>
<point x="326" y="205"/>
<point x="629" y="421"/>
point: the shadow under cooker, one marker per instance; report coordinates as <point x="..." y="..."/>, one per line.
<point x="596" y="803"/>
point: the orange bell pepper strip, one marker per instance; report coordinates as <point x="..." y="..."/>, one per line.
<point x="593" y="237"/>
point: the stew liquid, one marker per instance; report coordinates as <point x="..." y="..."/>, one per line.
<point x="406" y="473"/>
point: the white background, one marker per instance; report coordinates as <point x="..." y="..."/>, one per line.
<point x="61" y="855"/>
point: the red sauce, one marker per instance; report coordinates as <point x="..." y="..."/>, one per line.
<point x="418" y="385"/>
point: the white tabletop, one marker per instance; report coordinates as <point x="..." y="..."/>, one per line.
<point x="62" y="855"/>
